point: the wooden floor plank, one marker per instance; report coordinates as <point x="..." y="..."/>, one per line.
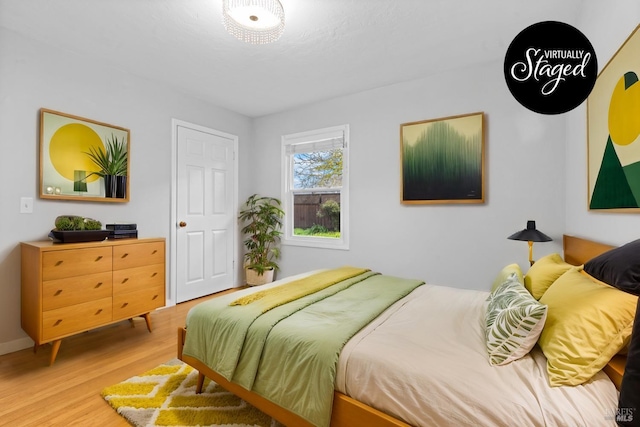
<point x="32" y="393"/>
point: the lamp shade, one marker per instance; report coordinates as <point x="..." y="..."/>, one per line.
<point x="530" y="234"/>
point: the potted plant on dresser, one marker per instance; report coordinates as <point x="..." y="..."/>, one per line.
<point x="262" y="219"/>
<point x="113" y="165"/>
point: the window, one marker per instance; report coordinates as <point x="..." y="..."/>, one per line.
<point x="315" y="188"/>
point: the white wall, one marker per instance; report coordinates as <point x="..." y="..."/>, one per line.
<point x="457" y="245"/>
<point x="34" y="75"/>
<point x="607" y="25"/>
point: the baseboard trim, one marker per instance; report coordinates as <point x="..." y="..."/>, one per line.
<point x="15" y="345"/>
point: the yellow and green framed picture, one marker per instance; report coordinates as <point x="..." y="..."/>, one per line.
<point x="613" y="132"/>
<point x="82" y="159"/>
<point x="442" y="160"/>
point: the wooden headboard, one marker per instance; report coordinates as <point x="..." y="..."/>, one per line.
<point x="577" y="251"/>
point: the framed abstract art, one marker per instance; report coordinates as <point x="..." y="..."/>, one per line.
<point x="613" y="132"/>
<point x="442" y="160"/>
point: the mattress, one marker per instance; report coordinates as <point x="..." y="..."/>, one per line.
<point x="424" y="361"/>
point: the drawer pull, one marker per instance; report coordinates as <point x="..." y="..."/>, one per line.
<point x="98" y="285"/>
<point x="154" y="252"/>
<point x="58" y="292"/>
<point x="154" y="297"/>
<point x="58" y="263"/>
<point x="98" y="312"/>
<point x="124" y="305"/>
<point x="154" y="274"/>
<point x="99" y="258"/>
<point x="57" y="322"/>
<point x="126" y="279"/>
<point x="125" y="255"/>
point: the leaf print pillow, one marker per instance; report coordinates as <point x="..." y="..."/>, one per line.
<point x="514" y="321"/>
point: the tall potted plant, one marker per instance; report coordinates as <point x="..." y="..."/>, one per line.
<point x="112" y="165"/>
<point x="262" y="219"/>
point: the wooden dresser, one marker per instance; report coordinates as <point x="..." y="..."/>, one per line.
<point x="68" y="288"/>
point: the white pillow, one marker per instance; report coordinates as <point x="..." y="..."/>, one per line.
<point x="514" y="321"/>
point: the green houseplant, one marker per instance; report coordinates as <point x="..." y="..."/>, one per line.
<point x="262" y="219"/>
<point x="113" y="165"/>
<point x="74" y="229"/>
<point x="74" y="222"/>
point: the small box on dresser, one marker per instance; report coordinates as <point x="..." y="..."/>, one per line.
<point x="122" y="231"/>
<point x="74" y="287"/>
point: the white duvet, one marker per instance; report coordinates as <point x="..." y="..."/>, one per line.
<point x="424" y="361"/>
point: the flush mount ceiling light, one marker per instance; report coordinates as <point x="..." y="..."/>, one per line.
<point x="254" y="21"/>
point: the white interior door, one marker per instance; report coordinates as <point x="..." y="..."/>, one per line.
<point x="205" y="212"/>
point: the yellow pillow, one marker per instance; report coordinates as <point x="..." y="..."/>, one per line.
<point x="504" y="275"/>
<point x="588" y="322"/>
<point x="543" y="273"/>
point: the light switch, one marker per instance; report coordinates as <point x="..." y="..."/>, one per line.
<point x="26" y="205"/>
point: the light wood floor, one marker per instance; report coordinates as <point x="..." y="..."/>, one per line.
<point x="32" y="393"/>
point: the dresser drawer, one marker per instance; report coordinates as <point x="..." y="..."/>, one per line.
<point x="135" y="255"/>
<point x="138" y="278"/>
<point x="75" y="290"/>
<point x="131" y="304"/>
<point x="75" y="262"/>
<point x="75" y="318"/>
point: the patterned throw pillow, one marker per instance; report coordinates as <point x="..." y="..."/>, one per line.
<point x="514" y="321"/>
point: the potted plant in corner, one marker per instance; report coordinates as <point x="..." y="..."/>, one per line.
<point x="262" y="218"/>
<point x="113" y="166"/>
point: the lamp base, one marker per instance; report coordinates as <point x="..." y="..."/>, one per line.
<point x="531" y="261"/>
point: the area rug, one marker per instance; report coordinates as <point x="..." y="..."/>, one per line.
<point x="165" y="396"/>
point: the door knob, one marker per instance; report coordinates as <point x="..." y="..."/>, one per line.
<point x="182" y="224"/>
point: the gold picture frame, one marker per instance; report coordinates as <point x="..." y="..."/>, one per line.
<point x="442" y="160"/>
<point x="67" y="170"/>
<point x="613" y="132"/>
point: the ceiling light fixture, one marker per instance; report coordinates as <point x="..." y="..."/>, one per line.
<point x="254" y="21"/>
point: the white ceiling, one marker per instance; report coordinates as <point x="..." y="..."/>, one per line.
<point x="329" y="47"/>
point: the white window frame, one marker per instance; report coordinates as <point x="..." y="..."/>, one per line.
<point x="288" y="238"/>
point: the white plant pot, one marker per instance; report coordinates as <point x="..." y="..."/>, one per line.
<point x="255" y="279"/>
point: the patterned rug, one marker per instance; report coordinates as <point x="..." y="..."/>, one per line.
<point x="165" y="396"/>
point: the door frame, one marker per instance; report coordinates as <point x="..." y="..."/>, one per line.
<point x="173" y="260"/>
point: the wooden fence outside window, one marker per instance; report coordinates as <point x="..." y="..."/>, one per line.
<point x="306" y="206"/>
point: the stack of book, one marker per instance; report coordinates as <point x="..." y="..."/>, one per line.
<point x="122" y="231"/>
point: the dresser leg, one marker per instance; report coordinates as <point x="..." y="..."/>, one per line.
<point x="147" y="318"/>
<point x="55" y="346"/>
<point x="132" y="324"/>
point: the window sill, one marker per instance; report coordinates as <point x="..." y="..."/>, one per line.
<point x="317" y="242"/>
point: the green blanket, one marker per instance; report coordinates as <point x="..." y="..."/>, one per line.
<point x="289" y="354"/>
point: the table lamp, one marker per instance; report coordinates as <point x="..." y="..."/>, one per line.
<point x="530" y="235"/>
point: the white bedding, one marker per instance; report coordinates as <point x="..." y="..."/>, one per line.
<point x="424" y="361"/>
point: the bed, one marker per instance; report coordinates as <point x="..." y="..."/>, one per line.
<point x="462" y="387"/>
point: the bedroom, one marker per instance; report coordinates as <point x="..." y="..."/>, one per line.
<point x="536" y="164"/>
